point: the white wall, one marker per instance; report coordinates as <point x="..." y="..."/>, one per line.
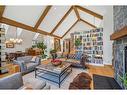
<point x="27" y="37"/>
<point x="80" y="26"/>
<point x="49" y="41"/>
<point x="108" y="30"/>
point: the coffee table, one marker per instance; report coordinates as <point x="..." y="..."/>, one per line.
<point x="53" y="73"/>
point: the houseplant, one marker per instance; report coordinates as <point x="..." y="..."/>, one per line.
<point x="53" y="53"/>
<point x="124" y="80"/>
<point x="43" y="47"/>
<point x="78" y="43"/>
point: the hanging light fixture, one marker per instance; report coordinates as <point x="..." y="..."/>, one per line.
<point x="15" y="40"/>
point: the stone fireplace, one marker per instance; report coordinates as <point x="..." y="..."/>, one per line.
<point x="120" y="59"/>
<point x="120" y="42"/>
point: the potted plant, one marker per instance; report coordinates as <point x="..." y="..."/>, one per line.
<point x="43" y="47"/>
<point x="124" y="80"/>
<point x="78" y="43"/>
<point x="53" y="53"/>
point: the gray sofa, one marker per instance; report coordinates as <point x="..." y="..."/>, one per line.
<point x="15" y="81"/>
<point x="25" y="63"/>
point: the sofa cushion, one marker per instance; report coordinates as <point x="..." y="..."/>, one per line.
<point x="73" y="61"/>
<point x="30" y="65"/>
<point x="26" y="59"/>
<point x="71" y="56"/>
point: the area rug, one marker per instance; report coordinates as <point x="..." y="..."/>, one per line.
<point x="104" y="82"/>
<point x="65" y="84"/>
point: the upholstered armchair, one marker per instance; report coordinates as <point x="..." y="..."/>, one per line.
<point x="15" y="81"/>
<point x="27" y="63"/>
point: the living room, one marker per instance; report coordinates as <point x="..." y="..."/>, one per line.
<point x="61" y="47"/>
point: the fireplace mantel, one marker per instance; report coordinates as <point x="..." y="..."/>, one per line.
<point x="119" y="34"/>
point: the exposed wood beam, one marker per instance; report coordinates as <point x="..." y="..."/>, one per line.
<point x="76" y="12"/>
<point x="90" y="12"/>
<point x="18" y="24"/>
<point x="118" y="34"/>
<point x="56" y="36"/>
<point x="2" y="8"/>
<point x="46" y="33"/>
<point x="70" y="28"/>
<point x="63" y="18"/>
<point x="88" y="23"/>
<point x="42" y="16"/>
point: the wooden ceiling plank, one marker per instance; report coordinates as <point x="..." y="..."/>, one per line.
<point x="63" y="18"/>
<point x="2" y="8"/>
<point x="26" y="27"/>
<point x="88" y="23"/>
<point x="76" y="12"/>
<point x="90" y="12"/>
<point x="42" y="16"/>
<point x="70" y="28"/>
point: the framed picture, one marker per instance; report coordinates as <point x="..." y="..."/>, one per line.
<point x="57" y="45"/>
<point x="9" y="45"/>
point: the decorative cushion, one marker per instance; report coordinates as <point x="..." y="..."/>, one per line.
<point x="30" y="65"/>
<point x="33" y="59"/>
<point x="78" y="56"/>
<point x="73" y="61"/>
<point x="71" y="56"/>
<point x="26" y="59"/>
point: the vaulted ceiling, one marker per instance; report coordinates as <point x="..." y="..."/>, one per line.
<point x="55" y="21"/>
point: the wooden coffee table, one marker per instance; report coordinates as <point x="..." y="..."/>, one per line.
<point x="52" y="73"/>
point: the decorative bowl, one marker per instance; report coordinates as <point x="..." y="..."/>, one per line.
<point x="56" y="62"/>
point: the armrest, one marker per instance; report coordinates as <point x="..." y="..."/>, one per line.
<point x="38" y="61"/>
<point x="22" y="65"/>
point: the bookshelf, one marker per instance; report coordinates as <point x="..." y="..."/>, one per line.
<point x="2" y="50"/>
<point x="91" y="44"/>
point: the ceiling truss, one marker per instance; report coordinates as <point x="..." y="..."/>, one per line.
<point x="70" y="28"/>
<point x="68" y="12"/>
<point x="2" y="8"/>
<point x="42" y="16"/>
<point x="47" y="9"/>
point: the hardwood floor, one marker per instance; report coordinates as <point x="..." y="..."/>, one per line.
<point x="100" y="70"/>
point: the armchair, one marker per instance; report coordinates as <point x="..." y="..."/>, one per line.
<point x="15" y="81"/>
<point x="27" y="63"/>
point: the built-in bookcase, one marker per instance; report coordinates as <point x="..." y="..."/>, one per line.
<point x="91" y="44"/>
<point x="2" y="50"/>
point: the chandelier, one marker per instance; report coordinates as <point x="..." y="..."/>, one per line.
<point x="15" y="40"/>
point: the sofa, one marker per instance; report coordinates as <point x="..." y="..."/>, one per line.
<point x="76" y="60"/>
<point x="15" y="81"/>
<point x="27" y="63"/>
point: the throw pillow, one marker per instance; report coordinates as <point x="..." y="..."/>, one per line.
<point x="33" y="59"/>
